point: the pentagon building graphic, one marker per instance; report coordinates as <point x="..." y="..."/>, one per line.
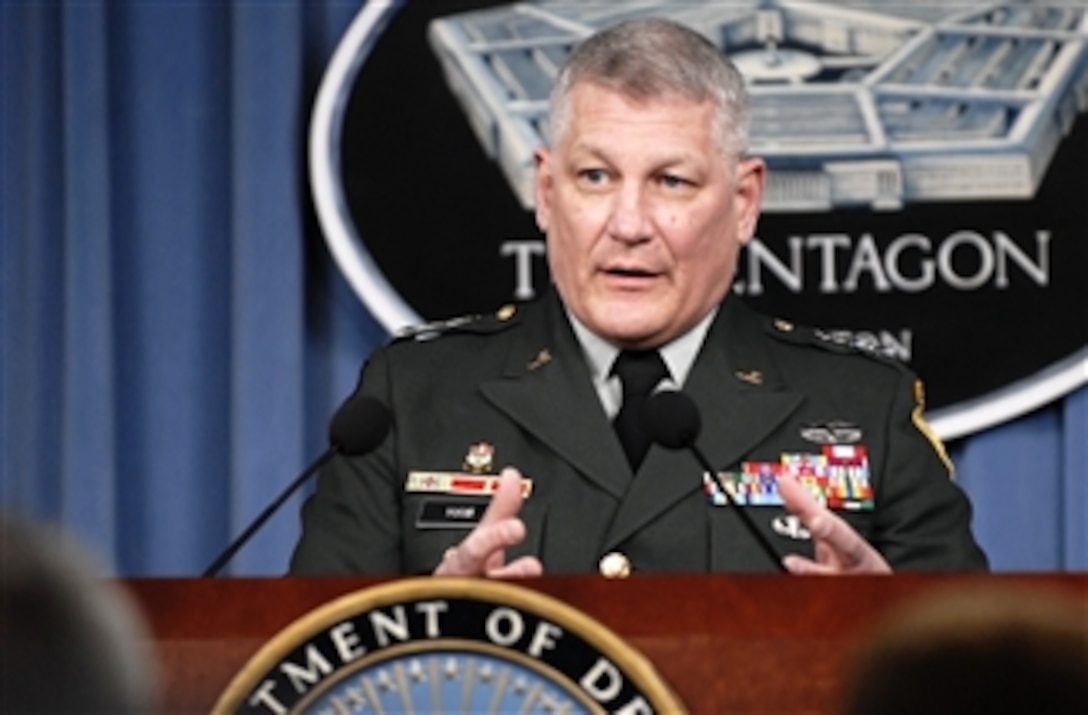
<point x="871" y="105"/>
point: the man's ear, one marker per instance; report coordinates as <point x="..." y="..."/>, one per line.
<point x="544" y="182"/>
<point x="751" y="178"/>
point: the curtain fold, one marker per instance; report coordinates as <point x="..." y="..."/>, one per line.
<point x="266" y="264"/>
<point x="86" y="253"/>
<point x="1074" y="475"/>
<point x="174" y="334"/>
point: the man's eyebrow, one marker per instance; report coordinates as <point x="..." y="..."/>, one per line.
<point x="665" y="160"/>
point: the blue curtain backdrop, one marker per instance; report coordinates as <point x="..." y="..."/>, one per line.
<point x="174" y="334"/>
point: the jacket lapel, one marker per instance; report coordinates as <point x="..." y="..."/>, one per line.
<point x="546" y="389"/>
<point x="741" y="400"/>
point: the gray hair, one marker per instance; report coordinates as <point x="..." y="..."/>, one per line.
<point x="652" y="58"/>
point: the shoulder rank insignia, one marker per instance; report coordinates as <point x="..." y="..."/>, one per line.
<point x="476" y="323"/>
<point x="434" y="328"/>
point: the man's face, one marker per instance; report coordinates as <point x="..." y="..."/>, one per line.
<point x="643" y="214"/>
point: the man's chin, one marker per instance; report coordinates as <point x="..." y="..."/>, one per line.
<point x="634" y="334"/>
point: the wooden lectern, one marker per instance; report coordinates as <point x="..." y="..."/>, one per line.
<point x="725" y="644"/>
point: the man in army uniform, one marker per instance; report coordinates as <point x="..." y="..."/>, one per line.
<point x="646" y="195"/>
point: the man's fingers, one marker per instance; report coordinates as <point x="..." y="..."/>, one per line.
<point x="838" y="547"/>
<point x="827" y="556"/>
<point x="482" y="548"/>
<point x="820" y="522"/>
<point x="827" y="563"/>
<point x="483" y="551"/>
<point x="800" y="566"/>
<point x="843" y="548"/>
<point x="506" y="502"/>
<point x="524" y="567"/>
<point x="798" y="499"/>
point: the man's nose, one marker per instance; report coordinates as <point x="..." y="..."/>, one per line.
<point x="630" y="219"/>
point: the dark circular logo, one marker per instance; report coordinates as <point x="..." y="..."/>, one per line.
<point x="447" y="645"/>
<point x="924" y="196"/>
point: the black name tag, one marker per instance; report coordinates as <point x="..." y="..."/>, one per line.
<point x="450" y="513"/>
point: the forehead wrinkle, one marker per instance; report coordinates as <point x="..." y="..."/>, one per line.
<point x="639" y="101"/>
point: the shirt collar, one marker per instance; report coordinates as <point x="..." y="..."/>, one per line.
<point x="679" y="354"/>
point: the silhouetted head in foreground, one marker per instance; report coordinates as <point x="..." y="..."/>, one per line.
<point x="988" y="649"/>
<point x="70" y="641"/>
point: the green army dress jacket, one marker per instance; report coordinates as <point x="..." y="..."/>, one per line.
<point x="472" y="396"/>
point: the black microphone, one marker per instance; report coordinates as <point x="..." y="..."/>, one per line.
<point x="358" y="427"/>
<point x="672" y="420"/>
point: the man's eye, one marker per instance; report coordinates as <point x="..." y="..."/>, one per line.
<point x="672" y="181"/>
<point x="593" y="176"/>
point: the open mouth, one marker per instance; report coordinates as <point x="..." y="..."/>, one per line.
<point x="630" y="272"/>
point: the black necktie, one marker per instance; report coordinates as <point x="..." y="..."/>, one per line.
<point x="639" y="371"/>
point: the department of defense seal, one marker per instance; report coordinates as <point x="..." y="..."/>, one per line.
<point x="438" y="645"/>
